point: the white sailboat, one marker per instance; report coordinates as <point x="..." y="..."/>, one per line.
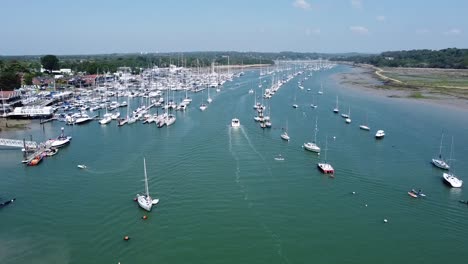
<point x="144" y="200"/>
<point x="326" y="167"/>
<point x="321" y="89"/>
<point x="366" y="126"/>
<point x="450" y="177"/>
<point x="336" y="109"/>
<point x="439" y="161"/>
<point x="312" y="146"/>
<point x="348" y="119"/>
<point x="285" y="135"/>
<point x="209" y="100"/>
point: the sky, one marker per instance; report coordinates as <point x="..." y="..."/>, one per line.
<point x="33" y="27"/>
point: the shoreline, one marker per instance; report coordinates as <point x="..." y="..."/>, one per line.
<point x="366" y="78"/>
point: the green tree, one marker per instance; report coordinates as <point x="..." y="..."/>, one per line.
<point x="9" y="80"/>
<point x="50" y="62"/>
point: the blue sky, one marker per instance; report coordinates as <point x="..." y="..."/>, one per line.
<point x="105" y="26"/>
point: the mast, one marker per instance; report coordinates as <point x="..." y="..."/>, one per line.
<point x="326" y="148"/>
<point x="440" y="147"/>
<point x="146" y="179"/>
<point x="451" y="155"/>
<point x="315" y="137"/>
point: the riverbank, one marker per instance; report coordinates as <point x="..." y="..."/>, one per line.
<point x="437" y="86"/>
<point x="13" y="124"/>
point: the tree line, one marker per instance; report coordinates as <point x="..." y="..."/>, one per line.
<point x="451" y="58"/>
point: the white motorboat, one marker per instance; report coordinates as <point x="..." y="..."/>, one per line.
<point x="81" y="166"/>
<point x="251" y="91"/>
<point x="312" y="146"/>
<point x="61" y="140"/>
<point x="439" y="161"/>
<point x="235" y="122"/>
<point x="84" y="118"/>
<point x="380" y="134"/>
<point x="452" y="180"/>
<point x="144" y="200"/>
<point x="279" y="158"/>
<point x="295" y="106"/>
<point x="203" y="107"/>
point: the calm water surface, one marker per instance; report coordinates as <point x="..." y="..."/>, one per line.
<point x="223" y="197"/>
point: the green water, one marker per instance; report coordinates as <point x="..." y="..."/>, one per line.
<point x="223" y="197"/>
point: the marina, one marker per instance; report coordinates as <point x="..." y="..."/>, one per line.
<point x="222" y="183"/>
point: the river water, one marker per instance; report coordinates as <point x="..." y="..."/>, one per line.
<point x="225" y="199"/>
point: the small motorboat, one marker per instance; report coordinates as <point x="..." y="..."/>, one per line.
<point x="82" y="166"/>
<point x="380" y="134"/>
<point x="452" y="180"/>
<point x="279" y="158"/>
<point x="235" y="122"/>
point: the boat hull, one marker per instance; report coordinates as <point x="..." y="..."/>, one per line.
<point x="144" y="202"/>
<point x="311" y="147"/>
<point x="440" y="164"/>
<point x="325" y="168"/>
<point x="452" y="181"/>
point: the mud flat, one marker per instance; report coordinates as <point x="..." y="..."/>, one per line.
<point x="447" y="87"/>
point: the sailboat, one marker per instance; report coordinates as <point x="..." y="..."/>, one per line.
<point x="366" y="126"/>
<point x="285" y="135"/>
<point x="348" y="119"/>
<point x="144" y="200"/>
<point x="312" y="104"/>
<point x="321" y="89"/>
<point x="346" y="115"/>
<point x="439" y="162"/>
<point x="295" y="105"/>
<point x="312" y="146"/>
<point x="450" y="177"/>
<point x="209" y="100"/>
<point x="336" y="110"/>
<point x="326" y="167"/>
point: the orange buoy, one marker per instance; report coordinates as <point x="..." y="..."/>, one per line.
<point x="126" y="238"/>
<point x="144" y="217"/>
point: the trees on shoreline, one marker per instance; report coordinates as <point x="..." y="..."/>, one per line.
<point x="451" y="58"/>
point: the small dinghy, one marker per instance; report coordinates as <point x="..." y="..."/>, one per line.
<point x="279" y="158"/>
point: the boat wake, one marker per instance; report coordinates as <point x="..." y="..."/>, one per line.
<point x="250" y="144"/>
<point x="274" y="237"/>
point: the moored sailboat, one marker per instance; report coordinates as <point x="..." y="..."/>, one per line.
<point x="144" y="200"/>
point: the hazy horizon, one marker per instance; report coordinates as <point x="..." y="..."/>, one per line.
<point x="343" y="26"/>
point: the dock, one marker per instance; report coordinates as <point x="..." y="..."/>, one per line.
<point x="47" y="120"/>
